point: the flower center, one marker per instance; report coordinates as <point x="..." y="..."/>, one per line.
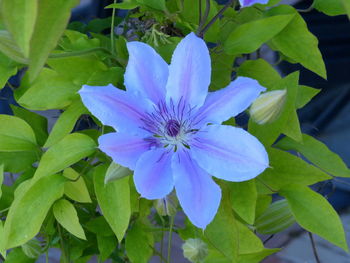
<point x="172" y="128"/>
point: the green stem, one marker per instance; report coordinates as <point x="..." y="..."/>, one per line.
<point x="162" y="240"/>
<point x="112" y="29"/>
<point x="170" y="237"/>
<point x="204" y="17"/>
<point x="63" y="248"/>
<point x="4" y="210"/>
<point x="212" y="21"/>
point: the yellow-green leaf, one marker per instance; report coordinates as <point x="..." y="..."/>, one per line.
<point x="67" y="216"/>
<point x="52" y="19"/>
<point x="68" y="151"/>
<point x="114" y="201"/>
<point x="287" y="169"/>
<point x="65" y="123"/>
<point x="297" y="43"/>
<point x="19" y="17"/>
<point x="243" y="199"/>
<point x="29" y="210"/>
<point x="248" y="37"/>
<point x="16" y="135"/>
<point x="317" y="153"/>
<point x="313" y="212"/>
<point x="76" y="189"/>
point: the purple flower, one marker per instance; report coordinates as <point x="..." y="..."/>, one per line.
<point x="245" y="3"/>
<point x="163" y="133"/>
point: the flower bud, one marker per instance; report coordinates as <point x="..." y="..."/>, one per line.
<point x="277" y="217"/>
<point x="268" y="106"/>
<point x="195" y="250"/>
<point x="167" y="206"/>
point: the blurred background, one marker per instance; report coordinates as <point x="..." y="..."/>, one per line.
<point x="327" y="118"/>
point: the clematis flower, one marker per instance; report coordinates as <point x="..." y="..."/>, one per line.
<point x="163" y="133"/>
<point x="245" y="3"/>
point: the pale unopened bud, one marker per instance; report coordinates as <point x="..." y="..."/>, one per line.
<point x="268" y="106"/>
<point x="195" y="250"/>
<point x="167" y="206"/>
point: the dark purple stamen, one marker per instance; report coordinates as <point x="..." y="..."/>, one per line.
<point x="172" y="128"/>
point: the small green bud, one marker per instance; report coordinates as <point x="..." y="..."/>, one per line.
<point x="195" y="250"/>
<point x="268" y="106"/>
<point x="167" y="206"/>
<point x="277" y="217"/>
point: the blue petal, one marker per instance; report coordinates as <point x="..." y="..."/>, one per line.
<point x="125" y="149"/>
<point x="116" y="108"/>
<point x="198" y="194"/>
<point x="223" y="104"/>
<point x="229" y="153"/>
<point x="245" y="3"/>
<point x="152" y="176"/>
<point x="146" y="72"/>
<point x="189" y="72"/>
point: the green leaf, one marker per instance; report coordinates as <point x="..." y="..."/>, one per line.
<point x="269" y="132"/>
<point x="260" y="70"/>
<point x="256" y="257"/>
<point x="113" y="76"/>
<point x="49" y="91"/>
<point x="297" y="43"/>
<point x="52" y="19"/>
<point x="317" y="153"/>
<point x="166" y="50"/>
<point x="17" y="256"/>
<point x="32" y="248"/>
<point x="222" y="232"/>
<point x="262" y="203"/>
<point x="248" y="37"/>
<point x="8" y="68"/>
<point x="78" y="69"/>
<point x="100" y="227"/>
<point x="313" y="212"/>
<point x="287" y="169"/>
<point x="19" y="17"/>
<point x="65" y="123"/>
<point x="222" y="65"/>
<point x="10" y="49"/>
<point x="16" y="135"/>
<point x="2" y="245"/>
<point x="67" y="216"/>
<point x="155" y="4"/>
<point x="243" y="199"/>
<point x="68" y="151"/>
<point x="248" y="241"/>
<point x="126" y="4"/>
<point x="138" y="244"/>
<point x="275" y="219"/>
<point x="76" y="189"/>
<point x="114" y="201"/>
<point x="36" y="121"/>
<point x="16" y="162"/>
<point x="331" y="7"/>
<point x="32" y="205"/>
<point x="305" y="94"/>
<point x="251" y="249"/>
<point x="106" y="246"/>
<point x="346" y="4"/>
<point x="115" y="172"/>
<point x="292" y="127"/>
